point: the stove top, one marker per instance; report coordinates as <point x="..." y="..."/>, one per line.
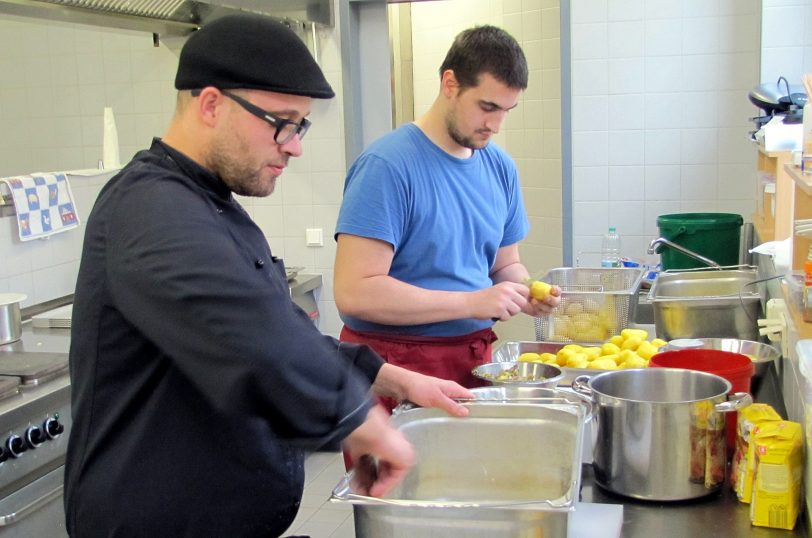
<point x="32" y="367"/>
<point x="34" y="407"/>
<point x="9" y="386"/>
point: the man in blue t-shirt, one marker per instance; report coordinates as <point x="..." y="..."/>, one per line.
<point x="428" y="231"/>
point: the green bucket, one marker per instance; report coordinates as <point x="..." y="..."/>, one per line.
<point x="713" y="235"/>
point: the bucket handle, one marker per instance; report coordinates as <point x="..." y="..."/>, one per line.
<point x="735" y="401"/>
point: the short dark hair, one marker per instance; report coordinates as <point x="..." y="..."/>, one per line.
<point x="486" y="49"/>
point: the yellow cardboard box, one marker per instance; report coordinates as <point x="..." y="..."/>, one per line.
<point x="777" y="480"/>
<point x="744" y="464"/>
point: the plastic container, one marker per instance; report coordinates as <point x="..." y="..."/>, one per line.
<point x="736" y="368"/>
<point x="610" y="249"/>
<point x="713" y="235"/>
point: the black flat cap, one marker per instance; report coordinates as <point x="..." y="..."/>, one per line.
<point x="252" y="52"/>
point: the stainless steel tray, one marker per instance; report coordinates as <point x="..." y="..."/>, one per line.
<point x="707" y="304"/>
<point x="465" y="484"/>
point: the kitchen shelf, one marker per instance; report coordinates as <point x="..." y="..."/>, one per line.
<point x="773" y="164"/>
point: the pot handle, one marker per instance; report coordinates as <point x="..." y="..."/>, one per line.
<point x="581" y="385"/>
<point x="735" y="401"/>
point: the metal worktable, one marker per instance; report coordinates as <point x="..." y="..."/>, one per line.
<point x="720" y="514"/>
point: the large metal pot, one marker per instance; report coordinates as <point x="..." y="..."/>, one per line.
<point x="10" y="318"/>
<point x="660" y="432"/>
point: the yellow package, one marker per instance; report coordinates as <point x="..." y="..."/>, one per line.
<point x="743" y="464"/>
<point x="777" y="480"/>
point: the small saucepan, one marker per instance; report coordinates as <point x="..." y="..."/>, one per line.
<point x="11" y="328"/>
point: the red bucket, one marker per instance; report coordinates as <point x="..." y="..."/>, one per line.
<point x="736" y="368"/>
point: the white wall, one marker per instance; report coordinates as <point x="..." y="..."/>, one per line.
<point x="56" y="79"/>
<point x="45" y="269"/>
<point x="660" y="114"/>
<point x="786" y="40"/>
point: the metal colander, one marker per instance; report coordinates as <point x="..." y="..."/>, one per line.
<point x="596" y="303"/>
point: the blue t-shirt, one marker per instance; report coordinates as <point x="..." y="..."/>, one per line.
<point x="445" y="217"/>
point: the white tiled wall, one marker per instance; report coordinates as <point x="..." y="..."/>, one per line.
<point x="660" y="114"/>
<point x="56" y="79"/>
<point x="45" y="269"/>
<point x="786" y="39"/>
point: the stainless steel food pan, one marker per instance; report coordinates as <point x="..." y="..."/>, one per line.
<point x="466" y="484"/>
<point x="706" y="304"/>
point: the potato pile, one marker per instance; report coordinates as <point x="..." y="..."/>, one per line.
<point x="630" y="349"/>
<point x="584" y="320"/>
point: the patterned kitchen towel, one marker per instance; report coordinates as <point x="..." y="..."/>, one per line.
<point x="44" y="204"/>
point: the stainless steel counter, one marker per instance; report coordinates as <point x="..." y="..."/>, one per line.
<point x="720" y="514"/>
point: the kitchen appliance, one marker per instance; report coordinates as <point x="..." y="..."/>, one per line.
<point x="660" y="432"/>
<point x="34" y="421"/>
<point x="778" y="98"/>
<point x="467" y="483"/>
<point x="706" y="303"/>
<point x="166" y="17"/>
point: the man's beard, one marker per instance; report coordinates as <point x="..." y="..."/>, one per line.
<point x="458" y="137"/>
<point x="228" y="160"/>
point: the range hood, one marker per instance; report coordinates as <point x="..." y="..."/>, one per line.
<point x="166" y="18"/>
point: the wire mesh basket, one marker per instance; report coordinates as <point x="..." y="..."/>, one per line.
<point x="596" y="303"/>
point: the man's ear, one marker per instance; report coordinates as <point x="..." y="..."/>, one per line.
<point x="209" y="103"/>
<point x="449" y="86"/>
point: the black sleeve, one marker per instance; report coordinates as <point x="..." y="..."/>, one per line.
<point x="195" y="276"/>
<point x="364" y="358"/>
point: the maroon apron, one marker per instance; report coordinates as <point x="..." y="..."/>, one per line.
<point x="446" y="357"/>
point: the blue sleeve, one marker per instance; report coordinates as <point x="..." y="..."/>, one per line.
<point x="376" y="201"/>
<point x="516" y="223"/>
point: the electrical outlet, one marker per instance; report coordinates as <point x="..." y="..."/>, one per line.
<point x="776" y="324"/>
<point x="314" y="237"/>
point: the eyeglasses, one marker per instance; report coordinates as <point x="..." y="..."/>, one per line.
<point x="285" y="129"/>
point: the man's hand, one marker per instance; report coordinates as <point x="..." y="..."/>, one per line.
<point x="376" y="441"/>
<point x="535" y="307"/>
<point x="501" y="301"/>
<point x="423" y="390"/>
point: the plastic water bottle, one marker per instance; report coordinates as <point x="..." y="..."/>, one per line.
<point x="610" y="249"/>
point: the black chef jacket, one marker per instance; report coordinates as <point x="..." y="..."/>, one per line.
<point x="197" y="383"/>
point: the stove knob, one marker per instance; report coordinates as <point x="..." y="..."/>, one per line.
<point x="34" y="436"/>
<point x="53" y="428"/>
<point x="3" y="454"/>
<point x="15" y="445"/>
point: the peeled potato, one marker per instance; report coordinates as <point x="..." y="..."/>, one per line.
<point x="539" y="290"/>
<point x="529" y="357"/>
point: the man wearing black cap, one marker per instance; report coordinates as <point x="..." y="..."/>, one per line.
<point x="197" y="383"/>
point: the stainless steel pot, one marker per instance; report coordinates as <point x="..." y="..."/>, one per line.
<point x="10" y="319"/>
<point x="660" y="432"/>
